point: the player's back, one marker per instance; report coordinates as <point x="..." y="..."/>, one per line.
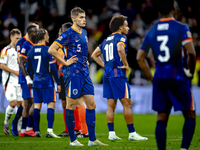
<point x="111" y="57"/>
<point x="166" y="39"/>
<point x="40" y="60"/>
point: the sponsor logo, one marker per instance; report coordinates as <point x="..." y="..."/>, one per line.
<point x="189" y="34"/>
<point x="122" y="39"/>
<point x="60" y="38"/>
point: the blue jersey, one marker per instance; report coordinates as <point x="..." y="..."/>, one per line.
<point x="23" y="53"/>
<point x="39" y="63"/>
<point x="75" y="43"/>
<point x="20" y="43"/>
<point x="166" y="39"/>
<point x="111" y="56"/>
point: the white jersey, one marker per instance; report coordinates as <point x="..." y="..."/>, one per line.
<point x="9" y="57"/>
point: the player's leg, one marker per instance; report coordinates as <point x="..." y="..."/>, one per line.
<point x="10" y="93"/>
<point x="62" y="97"/>
<point x="17" y="122"/>
<point x="36" y="117"/>
<point x="25" y="112"/>
<point x="161" y="133"/>
<point x="91" y="120"/>
<point x="110" y="119"/>
<point x="81" y="112"/>
<point x="188" y="128"/>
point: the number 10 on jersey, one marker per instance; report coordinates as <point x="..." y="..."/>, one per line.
<point x="109" y="51"/>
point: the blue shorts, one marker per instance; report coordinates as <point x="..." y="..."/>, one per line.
<point x="170" y="92"/>
<point x="26" y="91"/>
<point x="116" y="88"/>
<point x="75" y="87"/>
<point x="45" y="95"/>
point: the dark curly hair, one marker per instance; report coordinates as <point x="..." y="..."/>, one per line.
<point x="116" y="22"/>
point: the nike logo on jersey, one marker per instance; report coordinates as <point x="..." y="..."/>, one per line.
<point x="77" y="40"/>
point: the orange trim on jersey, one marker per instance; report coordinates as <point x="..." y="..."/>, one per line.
<point x="4" y="54"/>
<point x="167" y="19"/>
<point x="115" y="33"/>
<point x="25" y="38"/>
<point x="191" y="105"/>
<point x="188" y="39"/>
<point x="18" y="50"/>
<point x="76" y="30"/>
<point x="125" y="95"/>
<point x="31" y="93"/>
<point x="68" y="91"/>
<point x="23" y="56"/>
<point x="31" y="42"/>
<point x="122" y="43"/>
<point x="53" y="61"/>
<point x="58" y="44"/>
<point x="5" y="89"/>
<point x="39" y="44"/>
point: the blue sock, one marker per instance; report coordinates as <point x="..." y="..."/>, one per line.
<point x="131" y="128"/>
<point x="161" y="135"/>
<point x="110" y="126"/>
<point x="188" y="131"/>
<point x="18" y="114"/>
<point x="90" y="121"/>
<point x="69" y="118"/>
<point x="36" y="119"/>
<point x="30" y="121"/>
<point x="24" y="123"/>
<point x="50" y="117"/>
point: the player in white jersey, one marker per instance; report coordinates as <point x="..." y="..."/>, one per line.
<point x="10" y="74"/>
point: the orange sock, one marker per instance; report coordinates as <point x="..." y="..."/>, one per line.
<point x="66" y="130"/>
<point x="82" y="112"/>
<point x="77" y="120"/>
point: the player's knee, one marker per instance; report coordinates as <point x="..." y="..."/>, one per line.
<point x="189" y="114"/>
<point x="91" y="105"/>
<point x="13" y="103"/>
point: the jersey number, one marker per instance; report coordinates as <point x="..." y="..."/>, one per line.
<point x="109" y="51"/>
<point x="163" y="47"/>
<point x="38" y="64"/>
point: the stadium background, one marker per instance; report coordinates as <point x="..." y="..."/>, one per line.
<point x="141" y="15"/>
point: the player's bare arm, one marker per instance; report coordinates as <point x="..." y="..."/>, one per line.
<point x="191" y="56"/>
<point x="95" y="55"/>
<point x="22" y="66"/>
<point x="141" y="55"/>
<point x="7" y="69"/>
<point x="122" y="55"/>
<point x="53" y="50"/>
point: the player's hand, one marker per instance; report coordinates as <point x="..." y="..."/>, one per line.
<point x="88" y="63"/>
<point x="72" y="60"/>
<point x="187" y="73"/>
<point x="29" y="81"/>
<point x="124" y="67"/>
<point x="58" y="89"/>
<point x="16" y="73"/>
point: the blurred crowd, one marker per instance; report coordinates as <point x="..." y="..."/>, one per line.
<point x="141" y="15"/>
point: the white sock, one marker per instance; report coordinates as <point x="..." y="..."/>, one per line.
<point x="19" y="124"/>
<point x="111" y="132"/>
<point x="8" y="114"/>
<point x="22" y="130"/>
<point x="49" y="130"/>
<point x="28" y="128"/>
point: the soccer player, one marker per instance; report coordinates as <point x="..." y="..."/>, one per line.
<point x="43" y="68"/>
<point x="24" y="79"/>
<point x="10" y="74"/>
<point x="79" y="113"/>
<point x="16" y="123"/>
<point x="114" y="52"/>
<point x="78" y="83"/>
<point x="171" y="82"/>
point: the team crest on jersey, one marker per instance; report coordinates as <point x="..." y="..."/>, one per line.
<point x="60" y="38"/>
<point x="122" y="39"/>
<point x="189" y="34"/>
<point x="75" y="91"/>
<point x="23" y="50"/>
<point x="86" y="39"/>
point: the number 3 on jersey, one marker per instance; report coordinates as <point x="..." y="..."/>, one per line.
<point x="109" y="51"/>
<point x="38" y="64"/>
<point x="163" y="47"/>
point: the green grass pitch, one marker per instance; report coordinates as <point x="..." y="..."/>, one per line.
<point x="144" y="125"/>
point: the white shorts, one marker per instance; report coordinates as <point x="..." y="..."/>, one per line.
<point x="13" y="92"/>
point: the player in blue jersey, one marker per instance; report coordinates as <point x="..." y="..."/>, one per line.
<point x="171" y="81"/>
<point x="78" y="83"/>
<point x="115" y="83"/>
<point x="24" y="79"/>
<point x="16" y="125"/>
<point x="42" y="67"/>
